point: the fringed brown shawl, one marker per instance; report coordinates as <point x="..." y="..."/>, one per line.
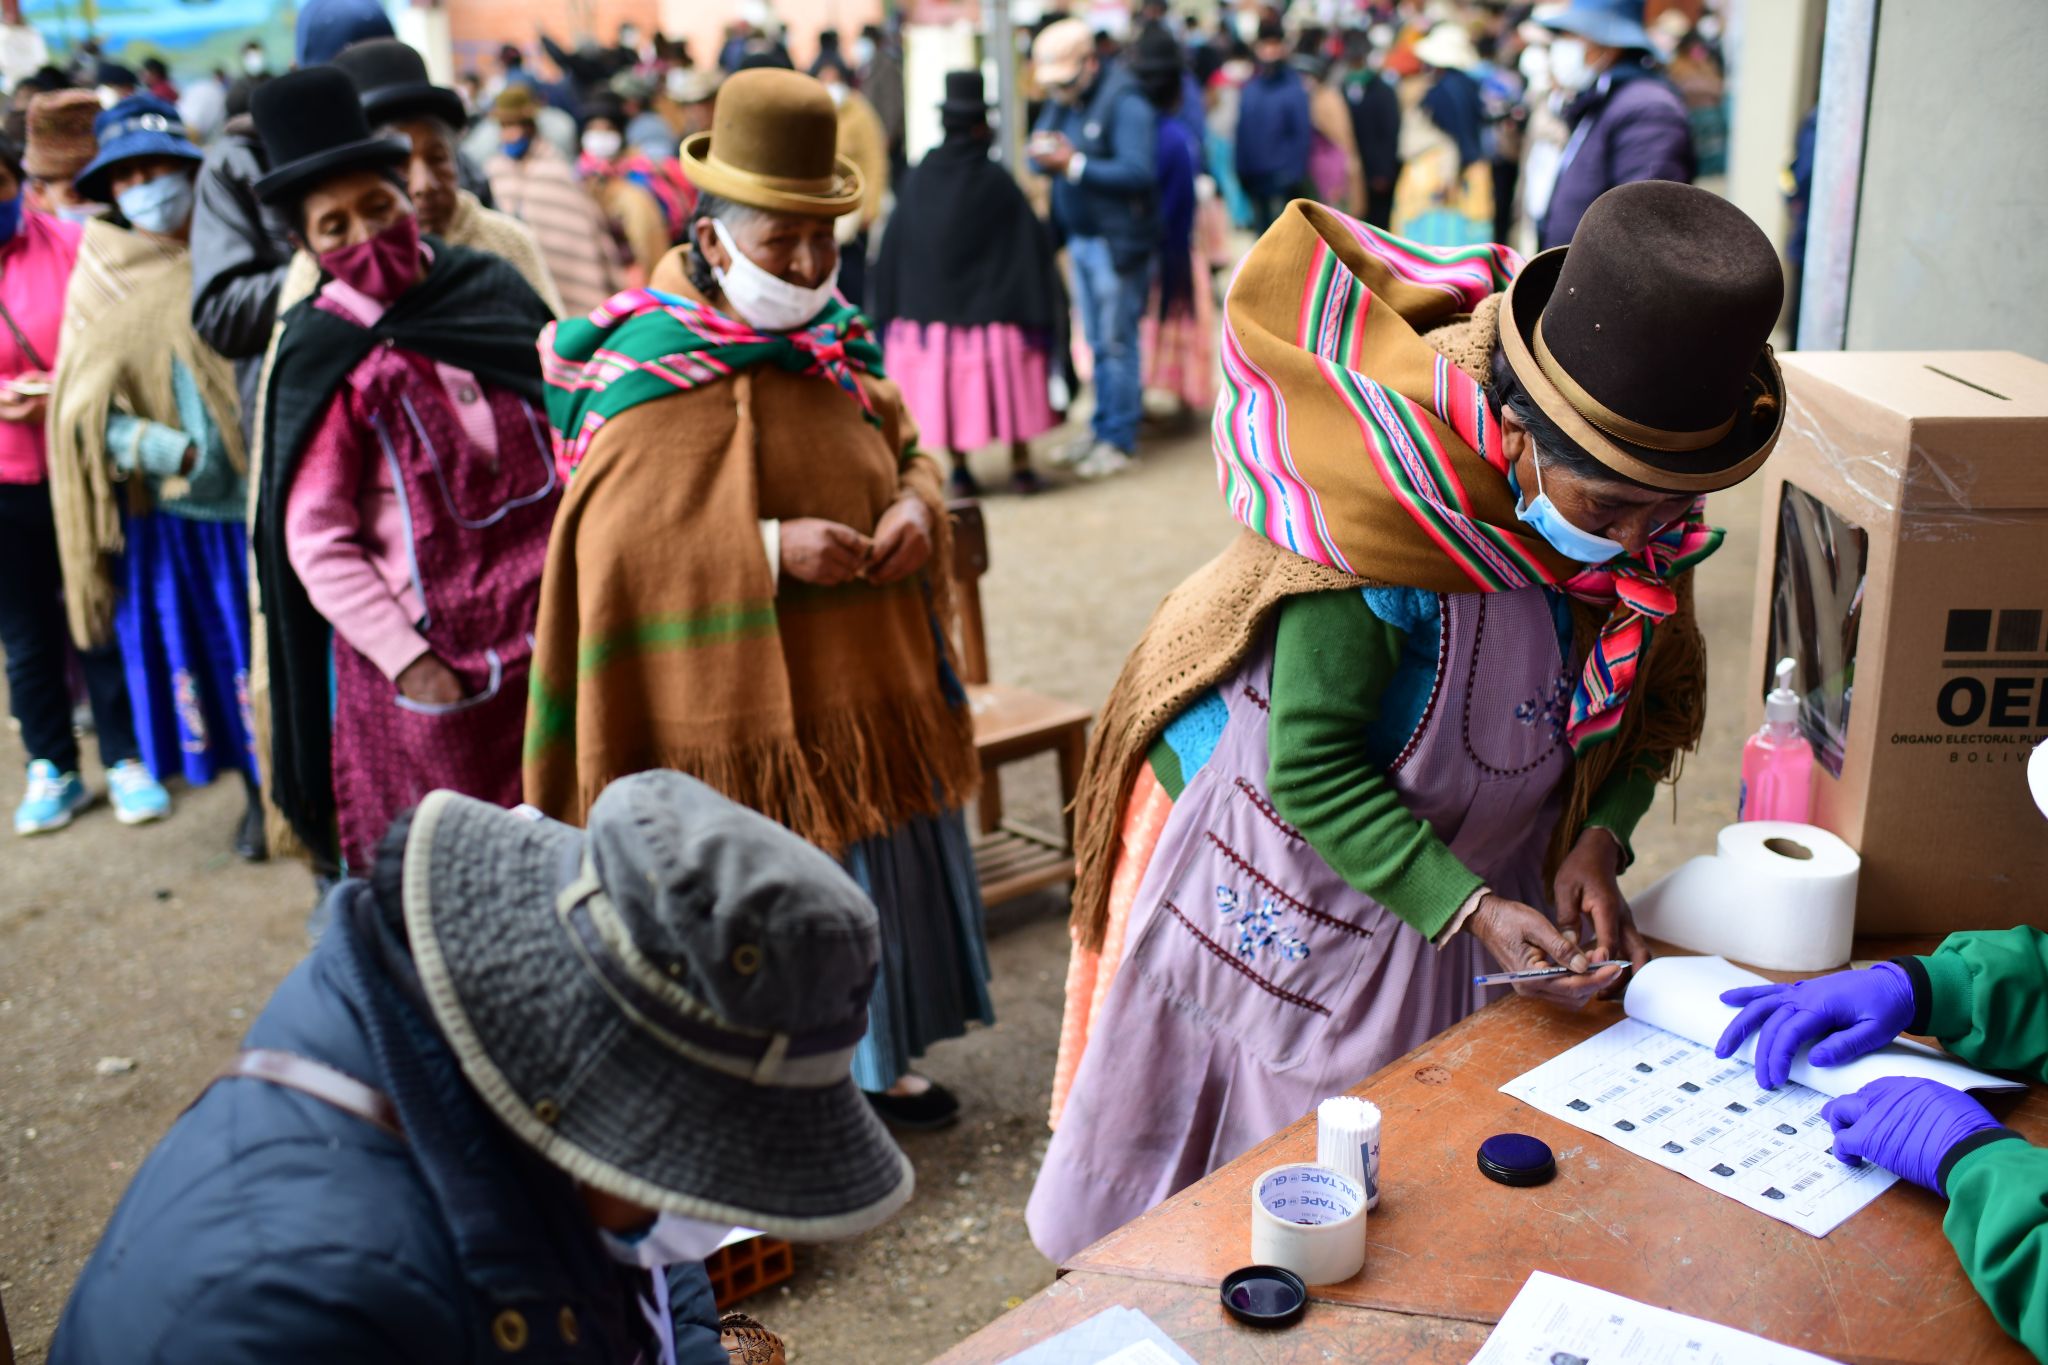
<point x="664" y="643"/>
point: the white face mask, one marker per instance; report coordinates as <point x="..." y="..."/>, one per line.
<point x="671" y="1240"/>
<point x="603" y="143"/>
<point x="863" y="51"/>
<point x="1568" y="65"/>
<point x="254" y="62"/>
<point x="764" y="302"/>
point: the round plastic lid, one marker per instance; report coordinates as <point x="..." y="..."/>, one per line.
<point x="1265" y="1296"/>
<point x="1516" y="1159"/>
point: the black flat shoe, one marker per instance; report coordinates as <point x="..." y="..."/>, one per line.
<point x="1026" y="482"/>
<point x="961" y="483"/>
<point x="936" y="1108"/>
<point x="250" y="845"/>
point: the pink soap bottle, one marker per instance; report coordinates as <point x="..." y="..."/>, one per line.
<point x="1777" y="762"/>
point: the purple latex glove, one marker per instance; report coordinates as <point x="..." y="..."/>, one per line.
<point x="1904" y="1125"/>
<point x="1854" y="1012"/>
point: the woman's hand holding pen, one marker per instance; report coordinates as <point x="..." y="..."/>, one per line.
<point x="1587" y="889"/>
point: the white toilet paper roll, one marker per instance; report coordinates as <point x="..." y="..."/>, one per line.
<point x="1776" y="895"/>
<point x="1310" y="1220"/>
<point x="1348" y="1141"/>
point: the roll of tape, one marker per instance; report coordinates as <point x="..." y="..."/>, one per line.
<point x="1310" y="1220"/>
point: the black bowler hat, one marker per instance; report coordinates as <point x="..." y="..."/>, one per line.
<point x="312" y="125"/>
<point x="392" y="81"/>
<point x="965" y="104"/>
<point x="1646" y="339"/>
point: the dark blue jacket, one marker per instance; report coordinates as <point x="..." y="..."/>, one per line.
<point x="1631" y="126"/>
<point x="269" y="1226"/>
<point x="1273" y="132"/>
<point x="1117" y="198"/>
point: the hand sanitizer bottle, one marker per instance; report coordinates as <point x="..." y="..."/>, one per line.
<point x="1777" y="762"/>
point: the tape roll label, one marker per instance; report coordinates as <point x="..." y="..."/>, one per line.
<point x="1310" y="1196"/>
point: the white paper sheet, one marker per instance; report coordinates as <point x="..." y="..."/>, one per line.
<point x="1671" y="1101"/>
<point x="1555" y="1321"/>
<point x="1115" y="1336"/>
<point x="1682" y="995"/>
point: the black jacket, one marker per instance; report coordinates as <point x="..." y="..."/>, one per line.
<point x="240" y="248"/>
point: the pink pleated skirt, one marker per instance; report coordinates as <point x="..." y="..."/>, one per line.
<point x="970" y="387"/>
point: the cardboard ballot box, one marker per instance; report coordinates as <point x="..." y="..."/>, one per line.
<point x="1905" y="566"/>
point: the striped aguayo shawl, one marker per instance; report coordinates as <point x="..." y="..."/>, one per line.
<point x="1323" y="362"/>
<point x="597" y="367"/>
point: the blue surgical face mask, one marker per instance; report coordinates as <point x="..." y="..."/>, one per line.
<point x="10" y="218"/>
<point x="1543" y="517"/>
<point x="162" y="206"/>
<point x="518" y="147"/>
<point x="81" y="213"/>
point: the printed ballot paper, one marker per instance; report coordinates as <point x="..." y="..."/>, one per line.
<point x="1556" y="1321"/>
<point x="1651" y="1084"/>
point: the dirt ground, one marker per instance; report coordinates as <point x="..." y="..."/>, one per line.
<point x="132" y="959"/>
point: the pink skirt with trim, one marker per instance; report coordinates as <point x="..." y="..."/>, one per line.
<point x="971" y="386"/>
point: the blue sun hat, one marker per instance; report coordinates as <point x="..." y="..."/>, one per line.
<point x="1610" y="23"/>
<point x="141" y="125"/>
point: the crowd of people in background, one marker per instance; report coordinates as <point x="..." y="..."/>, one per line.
<point x="160" y="422"/>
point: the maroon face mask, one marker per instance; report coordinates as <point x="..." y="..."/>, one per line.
<point x="385" y="266"/>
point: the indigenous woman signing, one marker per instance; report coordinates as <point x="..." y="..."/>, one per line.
<point x="748" y="577"/>
<point x="1418" y="706"/>
<point x="407" y="489"/>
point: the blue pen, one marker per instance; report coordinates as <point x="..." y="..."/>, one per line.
<point x="1503" y="978"/>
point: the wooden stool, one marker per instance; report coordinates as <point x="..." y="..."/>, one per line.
<point x="1010" y="723"/>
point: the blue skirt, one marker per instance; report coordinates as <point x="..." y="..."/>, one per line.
<point x="934" y="971"/>
<point x="183" y="624"/>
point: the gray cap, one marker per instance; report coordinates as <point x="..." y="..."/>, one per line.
<point x="665" y="1007"/>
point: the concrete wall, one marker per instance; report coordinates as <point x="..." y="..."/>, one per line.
<point x="1774" y="68"/>
<point x="1950" y="249"/>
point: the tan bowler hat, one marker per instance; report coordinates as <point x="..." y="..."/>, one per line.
<point x="772" y="146"/>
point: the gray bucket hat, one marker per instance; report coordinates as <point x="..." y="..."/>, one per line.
<point x="665" y="1007"/>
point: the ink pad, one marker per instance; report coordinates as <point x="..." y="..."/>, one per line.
<point x="1265" y="1296"/>
<point x="1516" y="1159"/>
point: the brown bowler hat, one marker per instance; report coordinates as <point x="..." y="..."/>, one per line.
<point x="516" y="104"/>
<point x="60" y="140"/>
<point x="1645" y="340"/>
<point x="772" y="146"/>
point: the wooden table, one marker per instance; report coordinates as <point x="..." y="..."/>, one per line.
<point x="1448" y="1249"/>
<point x="1189" y="1314"/>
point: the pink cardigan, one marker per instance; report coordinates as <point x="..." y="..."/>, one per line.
<point x="35" y="270"/>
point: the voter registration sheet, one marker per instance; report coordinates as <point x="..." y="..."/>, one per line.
<point x="1673" y="1102"/>
<point x="1556" y="1321"/>
<point x="1651" y="1084"/>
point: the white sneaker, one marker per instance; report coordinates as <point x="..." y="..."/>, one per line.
<point x="1103" y="461"/>
<point x="1074" y="453"/>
